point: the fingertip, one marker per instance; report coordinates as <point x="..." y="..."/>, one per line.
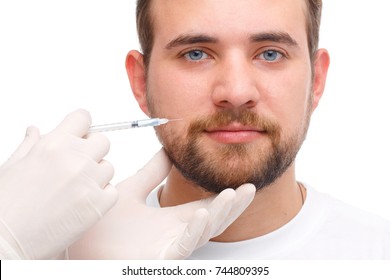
<point x="76" y="123"/>
<point x="244" y="197"/>
<point x="227" y="194"/>
<point x="247" y="188"/>
<point x="31" y="131"/>
<point x="32" y="135"/>
<point x="229" y="205"/>
<point x="84" y="113"/>
<point x="247" y="191"/>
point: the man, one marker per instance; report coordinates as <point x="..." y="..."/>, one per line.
<point x="247" y="77"/>
<point x="244" y="78"/>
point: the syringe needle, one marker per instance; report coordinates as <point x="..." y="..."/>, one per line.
<point x="129" y="124"/>
<point x="174" y="120"/>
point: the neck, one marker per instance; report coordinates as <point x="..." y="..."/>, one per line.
<point x="272" y="207"/>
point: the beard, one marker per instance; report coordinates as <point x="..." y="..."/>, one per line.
<point x="217" y="166"/>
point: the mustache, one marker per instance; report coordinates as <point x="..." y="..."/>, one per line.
<point x="226" y="117"/>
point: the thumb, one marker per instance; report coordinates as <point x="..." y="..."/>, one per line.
<point x="138" y="186"/>
<point x="31" y="138"/>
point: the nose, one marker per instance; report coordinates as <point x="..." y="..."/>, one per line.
<point x="235" y="84"/>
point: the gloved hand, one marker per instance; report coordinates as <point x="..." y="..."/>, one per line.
<point x="132" y="230"/>
<point x="54" y="188"/>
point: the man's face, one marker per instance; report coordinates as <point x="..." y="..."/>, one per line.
<point x="238" y="74"/>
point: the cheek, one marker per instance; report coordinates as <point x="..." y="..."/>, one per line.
<point x="288" y="99"/>
<point x="176" y="93"/>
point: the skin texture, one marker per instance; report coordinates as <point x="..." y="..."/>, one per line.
<point x="213" y="64"/>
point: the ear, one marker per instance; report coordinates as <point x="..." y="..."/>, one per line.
<point x="321" y="65"/>
<point x="136" y="72"/>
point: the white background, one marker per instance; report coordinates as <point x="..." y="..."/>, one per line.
<point x="57" y="56"/>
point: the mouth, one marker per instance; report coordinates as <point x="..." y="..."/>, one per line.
<point x="235" y="133"/>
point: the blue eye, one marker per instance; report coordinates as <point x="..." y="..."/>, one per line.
<point x="271" y="55"/>
<point x="196" y="55"/>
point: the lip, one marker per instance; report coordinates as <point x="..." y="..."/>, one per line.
<point x="234" y="133"/>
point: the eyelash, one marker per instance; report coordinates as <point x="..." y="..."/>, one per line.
<point x="282" y="55"/>
<point x="187" y="53"/>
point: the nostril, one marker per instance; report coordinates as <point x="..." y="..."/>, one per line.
<point x="224" y="104"/>
<point x="250" y="104"/>
<point x="229" y="104"/>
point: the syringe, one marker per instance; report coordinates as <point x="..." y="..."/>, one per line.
<point x="126" y="125"/>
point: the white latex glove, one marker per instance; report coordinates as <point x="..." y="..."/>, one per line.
<point x="133" y="230"/>
<point x="53" y="188"/>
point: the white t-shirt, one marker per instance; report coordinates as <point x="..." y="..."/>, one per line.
<point x="325" y="228"/>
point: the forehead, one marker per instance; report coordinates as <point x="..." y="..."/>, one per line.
<point x="228" y="19"/>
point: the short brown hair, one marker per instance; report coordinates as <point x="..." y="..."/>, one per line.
<point x="146" y="38"/>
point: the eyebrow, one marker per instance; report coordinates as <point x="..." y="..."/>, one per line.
<point x="277" y="37"/>
<point x="188" y="39"/>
